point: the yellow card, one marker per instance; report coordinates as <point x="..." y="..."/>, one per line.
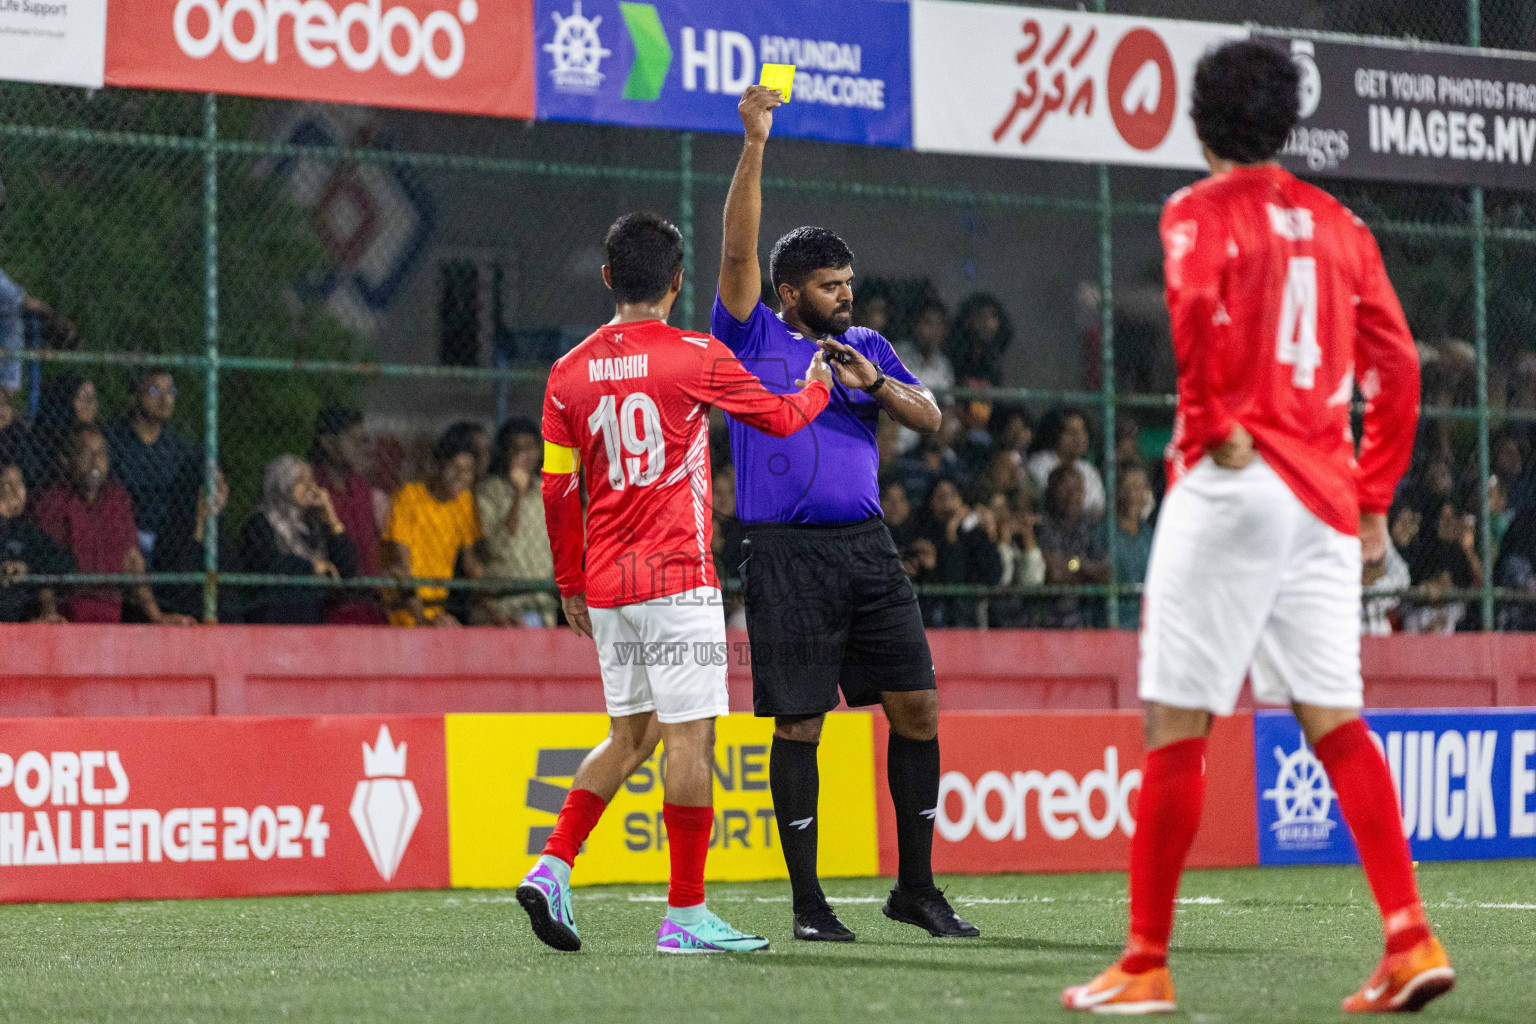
<point x="780" y="77"/>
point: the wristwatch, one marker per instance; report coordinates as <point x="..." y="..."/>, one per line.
<point x="877" y="385"/>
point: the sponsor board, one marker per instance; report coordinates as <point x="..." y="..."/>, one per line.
<point x="993" y="80"/>
<point x="1438" y="115"/>
<point x="459" y="56"/>
<point x="685" y="63"/>
<point x="1058" y="791"/>
<point x="508" y="776"/>
<point x="1466" y="787"/>
<point x="154" y="808"/>
<point x="59" y="42"/>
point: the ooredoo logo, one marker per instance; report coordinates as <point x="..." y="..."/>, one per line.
<point x="362" y="35"/>
<point x="1064" y="805"/>
<point x="1143" y="89"/>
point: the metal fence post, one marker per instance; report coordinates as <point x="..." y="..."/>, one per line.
<point x="1107" y="368"/>
<point x="211" y="342"/>
<point x="685" y="225"/>
<point x="1480" y="339"/>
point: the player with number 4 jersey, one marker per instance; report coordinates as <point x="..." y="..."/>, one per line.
<point x="1280" y="309"/>
<point x="627" y="412"/>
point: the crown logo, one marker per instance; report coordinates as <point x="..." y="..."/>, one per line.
<point x="384" y="759"/>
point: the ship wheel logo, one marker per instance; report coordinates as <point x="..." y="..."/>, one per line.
<point x="1303" y="799"/>
<point x="577" y="51"/>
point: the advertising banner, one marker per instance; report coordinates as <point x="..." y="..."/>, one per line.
<point x="455" y="56"/>
<point x="157" y="808"/>
<point x="685" y="63"/>
<point x="1436" y="115"/>
<point x="59" y="42"/>
<point x="1057" y="792"/>
<point x="1466" y="787"/>
<point x="992" y="80"/>
<point x="509" y="774"/>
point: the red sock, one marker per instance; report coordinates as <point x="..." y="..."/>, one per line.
<point x="688" y="831"/>
<point x="1368" y="800"/>
<point x="577" y="820"/>
<point x="1167" y="817"/>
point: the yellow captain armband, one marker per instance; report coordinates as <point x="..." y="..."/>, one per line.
<point x="560" y="459"/>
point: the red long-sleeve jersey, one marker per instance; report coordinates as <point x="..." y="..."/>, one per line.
<point x="634" y="400"/>
<point x="1280" y="305"/>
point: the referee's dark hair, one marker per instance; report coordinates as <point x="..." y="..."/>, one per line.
<point x="1246" y="101"/>
<point x="804" y="251"/>
<point x="644" y="253"/>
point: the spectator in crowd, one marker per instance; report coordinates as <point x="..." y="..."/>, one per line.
<point x="1133" y="536"/>
<point x="1072" y="543"/>
<point x="341" y="461"/>
<point x="725" y="541"/>
<point x="1442" y="557"/>
<point x="1515" y="569"/>
<point x="432" y="528"/>
<point x="91" y="515"/>
<point x="919" y="559"/>
<point x="1385" y="581"/>
<point x="13" y="432"/>
<point x="151" y="458"/>
<point x="511" y="507"/>
<point x="480" y="441"/>
<point x="294" y="531"/>
<point x="934" y="459"/>
<point x="1510" y="467"/>
<point x="387" y="477"/>
<point x="871" y="307"/>
<point x="981" y="335"/>
<point x="25" y="551"/>
<point x="973" y="445"/>
<point x="924" y="353"/>
<point x="1011" y="428"/>
<point x="1065" y="441"/>
<point x="964" y="540"/>
<point x="15" y="306"/>
<point x="1022" y="561"/>
<point x="67" y="402"/>
<point x="180" y="548"/>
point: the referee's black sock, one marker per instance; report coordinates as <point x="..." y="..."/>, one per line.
<point x="912" y="771"/>
<point x="796" y="783"/>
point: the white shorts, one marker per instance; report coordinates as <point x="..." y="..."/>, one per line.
<point x="666" y="655"/>
<point x="1243" y="576"/>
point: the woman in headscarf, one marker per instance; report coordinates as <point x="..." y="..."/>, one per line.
<point x="67" y="402"/>
<point x="294" y="531"/>
<point x="980" y="336"/>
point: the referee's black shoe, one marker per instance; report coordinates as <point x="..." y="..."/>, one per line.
<point x="928" y="909"/>
<point x="819" y="924"/>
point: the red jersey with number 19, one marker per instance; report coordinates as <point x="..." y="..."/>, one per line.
<point x="633" y="400"/>
<point x="1279" y="305"/>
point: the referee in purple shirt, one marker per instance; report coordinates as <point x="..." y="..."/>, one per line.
<point x="828" y="605"/>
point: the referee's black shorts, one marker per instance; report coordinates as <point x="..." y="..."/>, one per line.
<point x="829" y="608"/>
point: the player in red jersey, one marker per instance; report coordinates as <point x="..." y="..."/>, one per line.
<point x="1280" y="308"/>
<point x="630" y="407"/>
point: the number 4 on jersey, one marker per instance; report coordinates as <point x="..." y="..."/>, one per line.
<point x="1298" y="322"/>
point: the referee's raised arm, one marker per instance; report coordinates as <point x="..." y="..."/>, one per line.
<point x="741" y="278"/>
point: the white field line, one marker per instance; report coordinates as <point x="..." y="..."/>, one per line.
<point x="972" y="901"/>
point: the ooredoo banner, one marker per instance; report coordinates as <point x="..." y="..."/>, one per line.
<point x="993" y="80"/>
<point x="156" y="808"/>
<point x="1466" y="787"/>
<point x="59" y="42"/>
<point x="459" y="56"/>
<point x="1438" y="115"/>
<point x="508" y="776"/>
<point x="1057" y="792"/>
<point x="685" y="63"/>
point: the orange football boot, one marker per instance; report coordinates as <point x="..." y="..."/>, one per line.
<point x="1405" y="982"/>
<point x="1115" y="991"/>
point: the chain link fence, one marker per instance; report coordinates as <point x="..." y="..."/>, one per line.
<point x="227" y="306"/>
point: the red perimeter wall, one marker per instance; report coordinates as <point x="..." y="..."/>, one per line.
<point x="245" y="670"/>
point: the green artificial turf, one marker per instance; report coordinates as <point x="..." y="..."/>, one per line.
<point x="1250" y="945"/>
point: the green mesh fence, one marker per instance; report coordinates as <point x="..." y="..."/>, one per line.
<point x="219" y="282"/>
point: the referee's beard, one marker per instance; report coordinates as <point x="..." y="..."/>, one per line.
<point x="823" y="325"/>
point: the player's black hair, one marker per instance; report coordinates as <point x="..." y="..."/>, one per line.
<point x="644" y="252"/>
<point x="1246" y="101"/>
<point x="457" y="440"/>
<point x="804" y="251"/>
